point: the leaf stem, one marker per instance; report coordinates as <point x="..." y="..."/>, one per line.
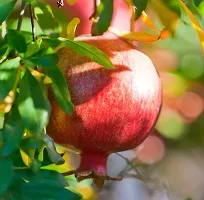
<point x="23" y="8"/>
<point x="32" y="22"/>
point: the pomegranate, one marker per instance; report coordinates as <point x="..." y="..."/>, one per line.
<point x="115" y="110"/>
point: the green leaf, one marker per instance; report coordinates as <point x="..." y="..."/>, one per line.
<point x="16" y="187"/>
<point x="16" y="41"/>
<point x="60" y="89"/>
<point x="45" y="57"/>
<point x="45" y="17"/>
<point x="42" y="175"/>
<point x="197" y="2"/>
<point x="10" y="64"/>
<point x="47" y="189"/>
<point x="106" y="11"/>
<point x="140" y="6"/>
<point x="4" y="50"/>
<point x="6" y="7"/>
<point x="17" y="159"/>
<point x="33" y="104"/>
<point x="54" y="156"/>
<point x="8" y="74"/>
<point x="12" y="133"/>
<point x="51" y="175"/>
<point x="91" y="51"/>
<point x="31" y="143"/>
<point x="51" y="42"/>
<point x="30" y="1"/>
<point x="174" y="5"/>
<point x="33" y="47"/>
<point x="6" y="173"/>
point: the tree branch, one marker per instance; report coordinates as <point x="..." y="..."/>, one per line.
<point x="32" y="22"/>
<point x="23" y="7"/>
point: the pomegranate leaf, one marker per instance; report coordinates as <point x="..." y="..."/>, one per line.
<point x="105" y="10"/>
<point x="12" y="133"/>
<point x="16" y="41"/>
<point x="197" y="2"/>
<point x="31" y="143"/>
<point x="167" y="16"/>
<point x="90" y="51"/>
<point x="33" y="47"/>
<point x="47" y="189"/>
<point x="45" y="18"/>
<point x="71" y="2"/>
<point x="60" y="88"/>
<point x="71" y="28"/>
<point x="6" y="8"/>
<point x="140" y="6"/>
<point x="54" y="156"/>
<point x="45" y="57"/>
<point x="33" y="104"/>
<point x="6" y="173"/>
<point x="17" y="159"/>
<point x="45" y="175"/>
<point x="196" y="25"/>
<point x="8" y="74"/>
<point x="173" y="5"/>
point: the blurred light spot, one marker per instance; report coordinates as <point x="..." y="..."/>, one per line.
<point x="192" y="66"/>
<point x="152" y="150"/>
<point x="171" y="124"/>
<point x="163" y="59"/>
<point x="191" y="105"/>
<point x="197" y="88"/>
<point x="173" y="85"/>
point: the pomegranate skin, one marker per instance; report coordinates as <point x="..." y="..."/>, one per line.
<point x="115" y="110"/>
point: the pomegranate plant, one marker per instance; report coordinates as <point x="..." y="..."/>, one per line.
<point x="96" y="94"/>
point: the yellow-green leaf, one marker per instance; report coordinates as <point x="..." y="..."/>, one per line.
<point x="71" y="28"/>
<point x="148" y="22"/>
<point x="71" y="2"/>
<point x="196" y="25"/>
<point x="168" y="17"/>
<point x="144" y="36"/>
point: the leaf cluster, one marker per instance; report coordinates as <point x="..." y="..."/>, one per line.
<point x="28" y="66"/>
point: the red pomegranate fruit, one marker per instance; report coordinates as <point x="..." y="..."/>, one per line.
<point x="115" y="110"/>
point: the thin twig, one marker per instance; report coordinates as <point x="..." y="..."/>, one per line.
<point x="20" y="20"/>
<point x="131" y="166"/>
<point x="32" y="21"/>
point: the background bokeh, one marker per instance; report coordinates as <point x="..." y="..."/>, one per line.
<point x="169" y="164"/>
